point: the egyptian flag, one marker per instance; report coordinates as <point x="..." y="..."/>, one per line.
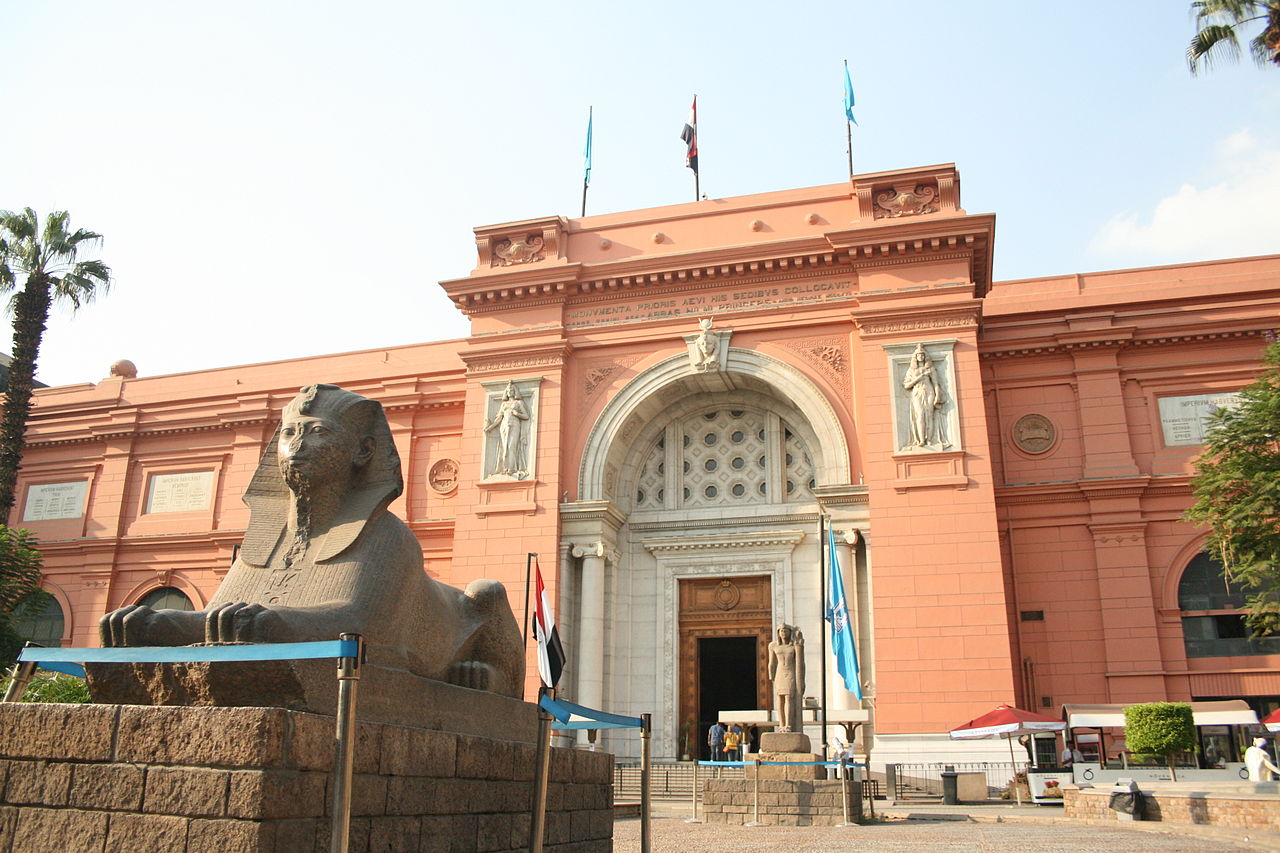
<point x="690" y="136"/>
<point x="550" y="652"/>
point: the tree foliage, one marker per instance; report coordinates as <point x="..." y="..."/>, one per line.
<point x="46" y="258"/>
<point x="1220" y="25"/>
<point x="1160" y="728"/>
<point x="1237" y="489"/>
<point x="20" y="565"/>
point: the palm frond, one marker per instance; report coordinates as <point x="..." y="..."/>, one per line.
<point x="1211" y="41"/>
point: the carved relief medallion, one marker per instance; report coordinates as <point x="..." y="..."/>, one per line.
<point x="906" y="201"/>
<point x="1034" y="433"/>
<point x="518" y="250"/>
<point x="727" y="595"/>
<point x="443" y="476"/>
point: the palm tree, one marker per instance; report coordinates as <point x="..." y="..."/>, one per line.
<point x="47" y="258"/>
<point x="1220" y="22"/>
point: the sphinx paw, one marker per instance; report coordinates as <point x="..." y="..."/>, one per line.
<point x="475" y="674"/>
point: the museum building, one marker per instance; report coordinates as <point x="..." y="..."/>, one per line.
<point x="663" y="404"/>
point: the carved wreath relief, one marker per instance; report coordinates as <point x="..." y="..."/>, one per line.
<point x="518" y="250"/>
<point x="510" y="429"/>
<point x="924" y="397"/>
<point x="443" y="476"/>
<point x="906" y="201"/>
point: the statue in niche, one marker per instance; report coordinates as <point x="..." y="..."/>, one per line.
<point x="786" y="671"/>
<point x="323" y="556"/>
<point x="706" y="346"/>
<point x="926" y="398"/>
<point x="510" y="421"/>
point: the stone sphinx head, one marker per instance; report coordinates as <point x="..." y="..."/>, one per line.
<point x="329" y="440"/>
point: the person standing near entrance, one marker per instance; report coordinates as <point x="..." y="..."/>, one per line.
<point x="715" y="740"/>
<point x="733" y="743"/>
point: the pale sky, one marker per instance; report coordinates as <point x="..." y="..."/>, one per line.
<point x="281" y="179"/>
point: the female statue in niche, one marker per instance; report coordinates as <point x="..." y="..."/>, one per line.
<point x="926" y="398"/>
<point x="509" y="421"/>
<point x="786" y="671"/>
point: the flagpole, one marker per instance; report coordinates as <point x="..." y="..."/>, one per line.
<point x="822" y="626"/>
<point x="528" y="575"/>
<point x="848" y="126"/>
<point x="586" y="174"/>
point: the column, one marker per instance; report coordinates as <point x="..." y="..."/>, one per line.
<point x="590" y="647"/>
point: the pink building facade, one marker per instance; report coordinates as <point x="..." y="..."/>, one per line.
<point x="662" y="404"/>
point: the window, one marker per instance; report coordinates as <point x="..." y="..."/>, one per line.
<point x="1213" y="614"/>
<point x="724" y="458"/>
<point x="42" y="626"/>
<point x="166" y="598"/>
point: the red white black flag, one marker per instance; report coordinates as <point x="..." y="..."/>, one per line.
<point x="690" y="136"/>
<point x="550" y="653"/>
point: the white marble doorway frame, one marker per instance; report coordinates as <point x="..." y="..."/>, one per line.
<point x="698" y="556"/>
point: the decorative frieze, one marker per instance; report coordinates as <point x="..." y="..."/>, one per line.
<point x="906" y="200"/>
<point x="829" y="354"/>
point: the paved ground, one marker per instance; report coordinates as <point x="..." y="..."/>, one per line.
<point x="938" y="829"/>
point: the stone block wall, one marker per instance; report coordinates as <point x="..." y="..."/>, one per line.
<point x="1226" y="808"/>
<point x="99" y="778"/>
<point x="782" y="802"/>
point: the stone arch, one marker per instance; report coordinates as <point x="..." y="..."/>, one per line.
<point x="176" y="580"/>
<point x="646" y="397"/>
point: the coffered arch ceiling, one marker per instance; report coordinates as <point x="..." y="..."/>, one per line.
<point x="672" y="389"/>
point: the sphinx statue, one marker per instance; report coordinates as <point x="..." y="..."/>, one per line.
<point x="323" y="556"/>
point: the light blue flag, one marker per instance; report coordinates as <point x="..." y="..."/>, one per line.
<point x="848" y="95"/>
<point x="841" y="629"/>
<point x="586" y="176"/>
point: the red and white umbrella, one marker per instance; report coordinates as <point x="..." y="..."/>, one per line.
<point x="1272" y="721"/>
<point x="1007" y="722"/>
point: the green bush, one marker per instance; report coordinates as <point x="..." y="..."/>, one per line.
<point x="1160" y="728"/>
<point x="65" y="689"/>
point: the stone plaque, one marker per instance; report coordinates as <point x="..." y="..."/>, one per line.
<point x="1034" y="433"/>
<point x="188" y="492"/>
<point x="1184" y="420"/>
<point x="443" y="476"/>
<point x="49" y="501"/>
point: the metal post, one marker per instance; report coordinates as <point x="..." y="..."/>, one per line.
<point x="871" y="799"/>
<point x="344" y="757"/>
<point x="755" y="795"/>
<point x="695" y="819"/>
<point x="537" y="826"/>
<point x="646" y="726"/>
<point x="20" y="677"/>
<point x="844" y="789"/>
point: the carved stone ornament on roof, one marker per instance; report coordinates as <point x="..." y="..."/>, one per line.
<point x="526" y="249"/>
<point x="906" y="200"/>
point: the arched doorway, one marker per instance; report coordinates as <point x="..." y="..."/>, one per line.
<point x="707" y="480"/>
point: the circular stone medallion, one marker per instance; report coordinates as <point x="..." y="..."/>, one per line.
<point x="1034" y="433"/>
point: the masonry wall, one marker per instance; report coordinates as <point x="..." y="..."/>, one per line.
<point x="94" y="778"/>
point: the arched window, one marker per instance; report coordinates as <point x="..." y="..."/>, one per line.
<point x="1213" y="614"/>
<point x="42" y="626"/>
<point x="166" y="598"/>
<point x="726" y="456"/>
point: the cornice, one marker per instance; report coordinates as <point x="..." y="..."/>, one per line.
<point x="776" y="539"/>
<point x="1125" y="338"/>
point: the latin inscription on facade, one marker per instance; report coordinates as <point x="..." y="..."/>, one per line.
<point x="49" y="501"/>
<point x="188" y="492"/>
<point x="1184" y="420"/>
<point x="745" y="298"/>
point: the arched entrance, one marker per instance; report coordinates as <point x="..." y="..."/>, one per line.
<point x="702" y="491"/>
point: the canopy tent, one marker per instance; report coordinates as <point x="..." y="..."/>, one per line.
<point x="1229" y="712"/>
<point x="1007" y="722"/>
<point x="1272" y="721"/>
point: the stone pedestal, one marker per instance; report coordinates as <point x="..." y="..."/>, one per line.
<point x="780" y="803"/>
<point x="785" y="742"/>
<point x="798" y="769"/>
<point x="258" y="780"/>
